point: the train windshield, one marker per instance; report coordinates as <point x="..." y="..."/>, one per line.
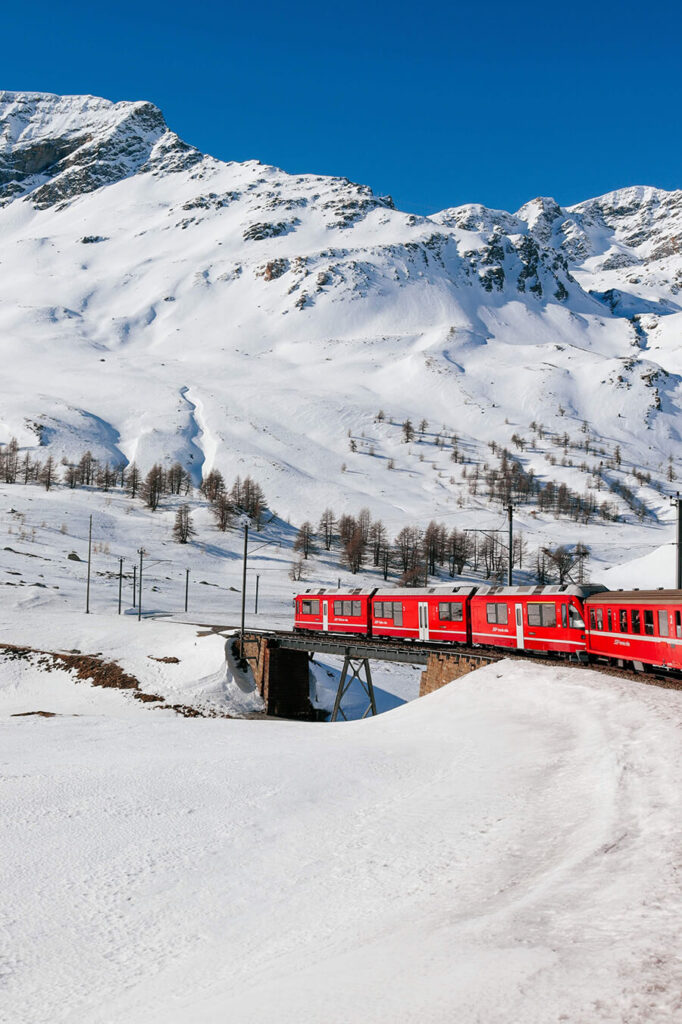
<point x="575" y="619"/>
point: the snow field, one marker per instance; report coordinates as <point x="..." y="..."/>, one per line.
<point x="504" y="849"/>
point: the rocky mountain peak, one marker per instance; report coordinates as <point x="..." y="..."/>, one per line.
<point x="53" y="148"/>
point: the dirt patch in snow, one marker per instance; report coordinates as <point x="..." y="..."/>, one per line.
<point x="27" y="714"/>
<point x="98" y="672"/>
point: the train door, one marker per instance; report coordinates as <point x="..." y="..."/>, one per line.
<point x="423" y="620"/>
<point x="325" y="616"/>
<point x="666" y="649"/>
<point x="519" y="627"/>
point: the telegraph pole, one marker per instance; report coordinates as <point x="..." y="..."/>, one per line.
<point x="510" y="514"/>
<point x="255" y="610"/>
<point x="120" y="583"/>
<point x="245" y="524"/>
<point x="134" y="585"/>
<point x="186" y="587"/>
<point x="87" y="591"/>
<point x="678" y="502"/>
<point x="139" y="602"/>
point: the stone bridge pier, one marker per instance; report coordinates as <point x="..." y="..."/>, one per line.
<point x="282" y="677"/>
<point x="280" y="665"/>
<point x="442" y="669"/>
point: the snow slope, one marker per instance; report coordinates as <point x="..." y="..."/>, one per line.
<point x="504" y="849"/>
<point x="156" y="303"/>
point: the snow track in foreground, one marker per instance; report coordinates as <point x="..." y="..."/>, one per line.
<point x="503" y="850"/>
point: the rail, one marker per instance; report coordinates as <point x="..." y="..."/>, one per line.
<point x="410" y="653"/>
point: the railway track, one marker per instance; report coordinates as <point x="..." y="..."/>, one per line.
<point x="381" y="650"/>
<point x="418" y="652"/>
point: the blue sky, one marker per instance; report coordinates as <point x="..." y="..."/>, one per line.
<point x="437" y="104"/>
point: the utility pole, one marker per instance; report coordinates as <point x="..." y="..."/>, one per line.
<point x="87" y="591"/>
<point x="120" y="583"/>
<point x="510" y="514"/>
<point x="134" y="586"/>
<point x="678" y="502"/>
<point x="255" y="610"/>
<point x="186" y="587"/>
<point x="245" y="524"/>
<point x="139" y="603"/>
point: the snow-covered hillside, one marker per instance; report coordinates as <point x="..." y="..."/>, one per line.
<point x="156" y="303"/>
<point x="502" y="850"/>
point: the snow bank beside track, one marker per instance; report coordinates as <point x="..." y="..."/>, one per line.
<point x="504" y="849"/>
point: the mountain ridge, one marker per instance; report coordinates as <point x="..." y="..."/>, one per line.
<point x="146" y="286"/>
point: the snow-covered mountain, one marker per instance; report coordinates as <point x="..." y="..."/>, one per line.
<point x="158" y="303"/>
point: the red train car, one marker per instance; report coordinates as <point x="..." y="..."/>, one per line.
<point x="639" y="626"/>
<point x="437" y="614"/>
<point x="531" y="618"/>
<point x="333" y="611"/>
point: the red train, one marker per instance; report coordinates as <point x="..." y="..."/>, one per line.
<point x="639" y="627"/>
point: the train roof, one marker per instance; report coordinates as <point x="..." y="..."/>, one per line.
<point x="660" y="596"/>
<point x="442" y="591"/>
<point x="583" y="591"/>
<point x="335" y="592"/>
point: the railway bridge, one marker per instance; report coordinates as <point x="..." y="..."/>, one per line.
<point x="280" y="664"/>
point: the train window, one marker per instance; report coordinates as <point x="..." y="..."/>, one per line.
<point x="663" y="629"/>
<point x="450" y="611"/>
<point x="496" y="611"/>
<point x="385" y="610"/>
<point x="564" y="616"/>
<point x="636" y="625"/>
<point x="310" y="607"/>
<point x="678" y="625"/>
<point x="648" y="622"/>
<point x="575" y="618"/>
<point x="347" y="607"/>
<point x="356" y="608"/>
<point x="623" y="613"/>
<point x="592" y="622"/>
<point x="599" y="612"/>
<point x="609" y="620"/>
<point x="338" y="607"/>
<point x="541" y="613"/>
